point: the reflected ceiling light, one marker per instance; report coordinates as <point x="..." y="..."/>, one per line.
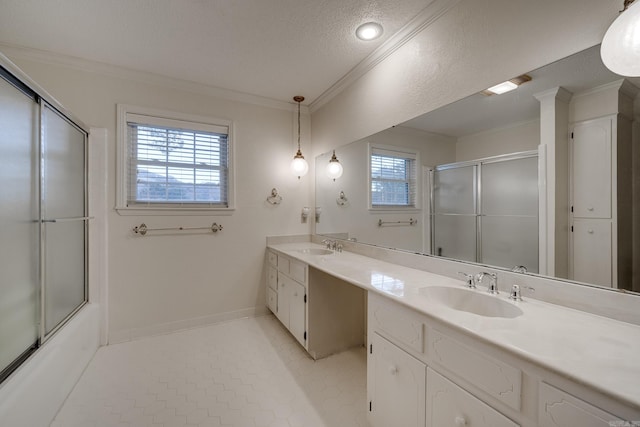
<point x="299" y="166"/>
<point x="507" y="86"/>
<point x="369" y="31"/>
<point x="620" y="49"/>
<point x="334" y="168"/>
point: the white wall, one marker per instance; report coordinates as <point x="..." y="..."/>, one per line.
<point x="511" y="139"/>
<point x="161" y="283"/>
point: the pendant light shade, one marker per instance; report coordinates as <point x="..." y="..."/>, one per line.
<point x="620" y="50"/>
<point x="299" y="166"/>
<point x="334" y="168"/>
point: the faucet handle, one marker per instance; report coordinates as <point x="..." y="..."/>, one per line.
<point x="515" y="294"/>
<point x="471" y="282"/>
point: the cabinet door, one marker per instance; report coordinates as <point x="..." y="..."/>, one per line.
<point x="449" y="405"/>
<point x="272" y="278"/>
<point x="591" y="169"/>
<point x="396" y="386"/>
<point x="592" y="251"/>
<point x="284" y="296"/>
<point x="272" y="300"/>
<point x="297" y="311"/>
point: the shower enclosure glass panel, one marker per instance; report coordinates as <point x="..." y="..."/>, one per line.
<point x="64" y="217"/>
<point x="486" y="211"/>
<point x="454" y="212"/>
<point x="19" y="233"/>
<point x="509" y="213"/>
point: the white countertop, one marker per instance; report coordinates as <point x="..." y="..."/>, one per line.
<point x="596" y="351"/>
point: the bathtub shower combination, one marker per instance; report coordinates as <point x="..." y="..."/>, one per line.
<point x="43" y="212"/>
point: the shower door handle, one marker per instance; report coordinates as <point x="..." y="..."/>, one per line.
<point x="76" y="218"/>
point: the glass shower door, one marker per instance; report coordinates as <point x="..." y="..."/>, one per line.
<point x="64" y="217"/>
<point x="19" y="232"/>
<point x="454" y="212"/>
<point x="509" y="213"/>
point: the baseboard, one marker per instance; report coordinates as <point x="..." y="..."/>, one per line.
<point x="180" y="325"/>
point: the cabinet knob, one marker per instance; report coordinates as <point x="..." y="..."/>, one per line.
<point x="590" y="209"/>
<point x="460" y="421"/>
<point x="393" y="370"/>
<point x="590" y="231"/>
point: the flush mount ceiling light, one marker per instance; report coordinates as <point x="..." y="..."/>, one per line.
<point x="620" y="49"/>
<point x="334" y="168"/>
<point x="299" y="165"/>
<point x="369" y="31"/>
<point x="507" y="86"/>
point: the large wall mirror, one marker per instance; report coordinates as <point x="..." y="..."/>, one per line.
<point x="539" y="179"/>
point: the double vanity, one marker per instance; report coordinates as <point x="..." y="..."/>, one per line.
<point x="440" y="353"/>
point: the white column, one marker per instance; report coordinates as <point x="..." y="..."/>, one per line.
<point x="554" y="194"/>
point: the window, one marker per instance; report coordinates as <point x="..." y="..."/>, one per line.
<point x="171" y="161"/>
<point x="393" y="178"/>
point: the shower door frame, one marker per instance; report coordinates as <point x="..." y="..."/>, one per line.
<point x="16" y="77"/>
<point x="477" y="195"/>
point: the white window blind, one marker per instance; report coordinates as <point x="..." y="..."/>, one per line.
<point x="175" y="163"/>
<point x="393" y="178"/>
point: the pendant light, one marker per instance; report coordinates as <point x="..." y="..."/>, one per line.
<point x="620" y="50"/>
<point x="334" y="168"/>
<point x="299" y="166"/>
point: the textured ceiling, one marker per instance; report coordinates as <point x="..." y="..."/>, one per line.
<point x="271" y="48"/>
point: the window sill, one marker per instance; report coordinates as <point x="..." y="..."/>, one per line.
<point x="169" y="211"/>
<point x="395" y="209"/>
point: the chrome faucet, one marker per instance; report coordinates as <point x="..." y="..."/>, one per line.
<point x="469" y="278"/>
<point x="331" y="244"/>
<point x="492" y="288"/>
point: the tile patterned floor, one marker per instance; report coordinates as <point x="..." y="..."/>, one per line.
<point x="243" y="373"/>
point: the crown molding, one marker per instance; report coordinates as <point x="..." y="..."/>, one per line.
<point x="47" y="57"/>
<point x="426" y="17"/>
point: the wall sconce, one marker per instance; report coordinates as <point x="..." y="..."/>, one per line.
<point x="274" y="198"/>
<point x="304" y="215"/>
<point x="318" y="212"/>
<point x="342" y="199"/>
<point x="620" y="49"/>
<point x="334" y="168"/>
<point x="299" y="165"/>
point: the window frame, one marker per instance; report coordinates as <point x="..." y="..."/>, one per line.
<point x="125" y="111"/>
<point x="411" y="154"/>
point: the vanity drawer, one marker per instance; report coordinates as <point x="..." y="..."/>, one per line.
<point x="498" y="379"/>
<point x="557" y="408"/>
<point x="272" y="300"/>
<point x="397" y="323"/>
<point x="298" y="271"/>
<point x="272" y="259"/>
<point x="272" y="278"/>
<point x="283" y="264"/>
<point x="450" y="405"/>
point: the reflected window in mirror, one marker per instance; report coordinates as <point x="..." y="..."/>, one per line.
<point x="393" y="177"/>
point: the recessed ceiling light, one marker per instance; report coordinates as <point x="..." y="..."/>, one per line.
<point x="369" y="31"/>
<point x="507" y="86"/>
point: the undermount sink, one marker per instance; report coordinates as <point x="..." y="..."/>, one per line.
<point x="315" y="251"/>
<point x="471" y="301"/>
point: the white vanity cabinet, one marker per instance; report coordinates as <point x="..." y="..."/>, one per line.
<point x="287" y="293"/>
<point x="422" y="373"/>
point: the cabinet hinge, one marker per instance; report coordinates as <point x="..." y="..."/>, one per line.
<point x="571" y="208"/>
<point x="571" y="135"/>
<point x="370" y="348"/>
<point x="305" y="298"/>
<point x="369" y="406"/>
<point x="572" y="228"/>
<point x="305" y="335"/>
